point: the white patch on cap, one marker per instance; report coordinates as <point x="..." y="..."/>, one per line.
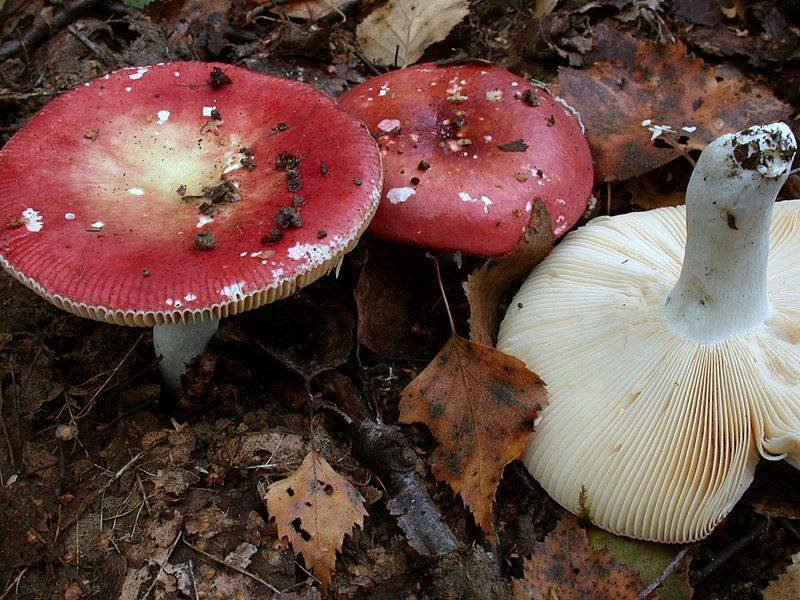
<point x="528" y="206"/>
<point x="232" y="167"/>
<point x="384" y="88"/>
<point x="561" y="225"/>
<point x="487" y="138"/>
<point x="163" y="115"/>
<point x="177" y="73"/>
<point x="97" y="225"/>
<point x="689" y="128"/>
<point x="204" y="220"/>
<point x="277" y="273"/>
<point x="207" y="110"/>
<point x="313" y="253"/>
<point x="400" y="194"/>
<point x="136" y="191"/>
<point x="389" y="124"/>
<point x="69" y="216"/>
<point x="128" y="89"/>
<point x="243" y="254"/>
<point x="234" y="291"/>
<point x="487" y="202"/>
<point x="494" y="95"/>
<point x="139" y="72"/>
<point x="33" y="220"/>
<point x="561" y="202"/>
<point x="190" y="297"/>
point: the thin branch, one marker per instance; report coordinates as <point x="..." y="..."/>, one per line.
<point x="671" y="567"/>
<point x="239" y="570"/>
<point x="38" y="33"/>
<point x="163" y="564"/>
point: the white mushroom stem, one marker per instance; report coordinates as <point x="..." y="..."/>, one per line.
<point x="722" y="289"/>
<point x="177" y="344"/>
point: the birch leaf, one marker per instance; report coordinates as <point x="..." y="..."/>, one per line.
<point x="315" y="508"/>
<point x="787" y="586"/>
<point x="404" y="28"/>
<point x="480" y="405"/>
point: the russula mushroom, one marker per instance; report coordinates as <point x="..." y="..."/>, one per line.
<point x="173" y="195"/>
<point x="466" y="151"/>
<point x="670" y="344"/>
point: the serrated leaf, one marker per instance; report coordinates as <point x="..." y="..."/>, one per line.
<point x="787" y="586"/>
<point x="564" y="566"/>
<point x="480" y="405"/>
<point x="402" y="29"/>
<point x="315" y="508"/>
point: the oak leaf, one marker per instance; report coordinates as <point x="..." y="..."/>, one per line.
<point x="399" y="31"/>
<point x="564" y="566"/>
<point x="480" y="405"/>
<point x="314" y="509"/>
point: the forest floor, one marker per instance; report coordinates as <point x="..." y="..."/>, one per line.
<point x="109" y="489"/>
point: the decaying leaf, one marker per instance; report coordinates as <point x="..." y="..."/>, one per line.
<point x="311" y="10"/>
<point x="480" y="405"/>
<point x="565" y="567"/>
<point x="787" y="586"/>
<point x="398" y="32"/>
<point x="488" y="286"/>
<point x="639" y="99"/>
<point x="399" y="307"/>
<point x="648" y="559"/>
<point x="315" y="508"/>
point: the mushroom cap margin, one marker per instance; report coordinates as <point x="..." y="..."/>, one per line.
<point x="168" y="106"/>
<point x="663" y="433"/>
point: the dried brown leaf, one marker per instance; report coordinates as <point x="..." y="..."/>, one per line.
<point x="315" y="508"/>
<point x="564" y="566"/>
<point x="489" y="286"/>
<point x="312" y="10"/>
<point x="635" y="88"/>
<point x="400" y="30"/>
<point x="480" y="405"/>
<point x="397" y="298"/>
<point x="787" y="586"/>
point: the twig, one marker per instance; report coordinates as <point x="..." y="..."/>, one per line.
<point x="102" y="489"/>
<point x="14" y="585"/>
<point x="11" y="460"/>
<point x="39" y="32"/>
<point x="791" y="528"/>
<point x="163" y="562"/>
<point x="239" y="570"/>
<point x="441" y="290"/>
<point x="99" y="52"/>
<point x="387" y="453"/>
<point x="85" y="410"/>
<point x="645" y="593"/>
<point x="752" y="534"/>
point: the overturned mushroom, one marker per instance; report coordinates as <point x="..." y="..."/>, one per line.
<point x="156" y="196"/>
<point x="670" y="373"/>
<point x="467" y="150"/>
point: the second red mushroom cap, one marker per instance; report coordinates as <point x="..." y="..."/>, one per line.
<point x="467" y="150"/>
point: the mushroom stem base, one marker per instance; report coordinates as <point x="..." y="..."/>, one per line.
<point x="176" y="345"/>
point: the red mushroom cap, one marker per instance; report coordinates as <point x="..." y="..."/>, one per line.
<point x="466" y="150"/>
<point x="183" y="192"/>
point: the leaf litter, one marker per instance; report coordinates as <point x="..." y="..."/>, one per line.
<point x="101" y="481"/>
